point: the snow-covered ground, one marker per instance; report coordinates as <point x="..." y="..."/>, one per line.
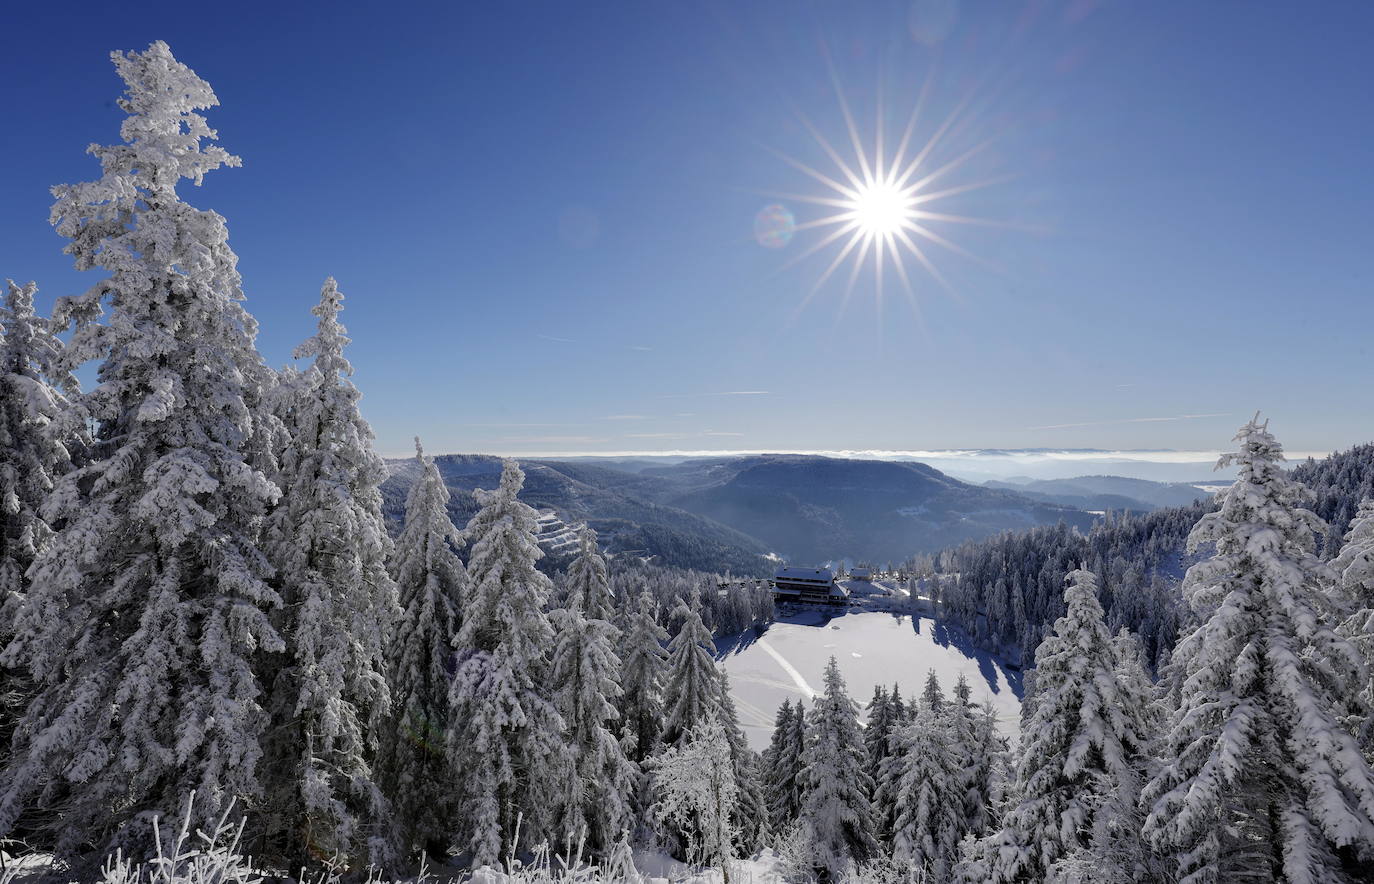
<point x="876" y="642"/>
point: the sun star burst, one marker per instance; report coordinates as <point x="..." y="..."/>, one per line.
<point x="881" y="201"/>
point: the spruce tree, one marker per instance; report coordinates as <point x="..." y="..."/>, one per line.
<point x="1354" y="576"/>
<point x="431" y="586"/>
<point x="330" y="546"/>
<point x="35" y="448"/>
<point x="596" y="788"/>
<point x="148" y="607"/>
<point x="929" y="805"/>
<point x="503" y="738"/>
<point x="644" y="669"/>
<point x="751" y="820"/>
<point x="1259" y="778"/>
<point x="693" y="687"/>
<point x="782" y="766"/>
<point x="932" y="697"/>
<point x="589" y="581"/>
<point x="695" y="790"/>
<point x="835" y="811"/>
<point x="878" y="727"/>
<point x="1082" y="747"/>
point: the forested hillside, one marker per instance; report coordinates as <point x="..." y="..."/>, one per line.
<point x="1005" y="591"/>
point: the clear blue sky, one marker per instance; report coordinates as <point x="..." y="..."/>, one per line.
<point x="542" y="213"/>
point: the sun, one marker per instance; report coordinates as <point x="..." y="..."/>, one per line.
<point x="881" y="209"/>
<point x="883" y="199"/>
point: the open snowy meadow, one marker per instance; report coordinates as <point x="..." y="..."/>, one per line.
<point x="788" y="660"/>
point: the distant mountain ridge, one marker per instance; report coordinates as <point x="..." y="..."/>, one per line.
<point x="730" y="513"/>
<point x="1105" y="492"/>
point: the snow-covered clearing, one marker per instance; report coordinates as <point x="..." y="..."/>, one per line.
<point x="873" y="647"/>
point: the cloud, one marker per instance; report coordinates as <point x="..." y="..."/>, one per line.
<point x="555" y="440"/>
<point x="556" y="340"/>
<point x="626" y="417"/>
<point x="724" y="393"/>
<point x="679" y="435"/>
<point x="1130" y="420"/>
<point x="641" y="348"/>
<point x="504" y="425"/>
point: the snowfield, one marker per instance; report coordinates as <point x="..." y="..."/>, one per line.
<point x="873" y="647"/>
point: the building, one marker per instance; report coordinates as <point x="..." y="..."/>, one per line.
<point x="860" y="573"/>
<point x="812" y="586"/>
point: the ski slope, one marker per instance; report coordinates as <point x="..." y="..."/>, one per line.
<point x="873" y="647"/>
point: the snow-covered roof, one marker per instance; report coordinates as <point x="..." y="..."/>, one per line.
<point x="804" y="575"/>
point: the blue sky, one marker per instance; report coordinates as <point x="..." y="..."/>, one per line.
<point x="542" y="213"/>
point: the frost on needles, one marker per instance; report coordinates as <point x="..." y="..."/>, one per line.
<point x="149" y="606"/>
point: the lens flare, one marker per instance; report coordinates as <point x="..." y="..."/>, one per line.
<point x="774" y="226"/>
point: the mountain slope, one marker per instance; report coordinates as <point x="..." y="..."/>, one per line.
<point x="620" y="506"/>
<point x="813" y="509"/>
<point x="1105" y="492"/>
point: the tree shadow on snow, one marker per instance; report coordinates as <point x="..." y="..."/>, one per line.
<point x="989" y="667"/>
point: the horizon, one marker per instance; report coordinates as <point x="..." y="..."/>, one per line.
<point x="968" y="465"/>
<point x="660" y="223"/>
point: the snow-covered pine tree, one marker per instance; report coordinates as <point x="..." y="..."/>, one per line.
<point x="932" y="696"/>
<point x="889" y="770"/>
<point x="503" y="738"/>
<point x="1259" y="778"/>
<point x="595" y="790"/>
<point x="971" y="757"/>
<point x="694" y="784"/>
<point x="149" y="605"/>
<point x="929" y="806"/>
<point x="588" y="579"/>
<point x="878" y="727"/>
<point x="1354" y="569"/>
<point x="1113" y="852"/>
<point x="782" y="766"/>
<point x="693" y="686"/>
<point x="1082" y="747"/>
<point x="329" y="544"/>
<point x="751" y="819"/>
<point x="835" y="811"/>
<point x="431" y="583"/>
<point x="644" y="668"/>
<point x="35" y="447"/>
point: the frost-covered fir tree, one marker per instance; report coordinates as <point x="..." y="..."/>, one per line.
<point x="330" y="547"/>
<point x="431" y="584"/>
<point x="751" y="821"/>
<point x="34" y="445"/>
<point x="835" y="812"/>
<point x="149" y="606"/>
<point x="504" y="734"/>
<point x="588" y="579"/>
<point x="35" y="448"/>
<point x="889" y="770"/>
<point x="1081" y="748"/>
<point x="693" y="686"/>
<point x="595" y="790"/>
<point x="643" y="670"/>
<point x="929" y="807"/>
<point x="782" y="765"/>
<point x="694" y="785"/>
<point x="878" y="727"/>
<point x="1259" y="779"/>
<point x="974" y="752"/>
<point x="932" y="696"/>
<point x="1354" y="571"/>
